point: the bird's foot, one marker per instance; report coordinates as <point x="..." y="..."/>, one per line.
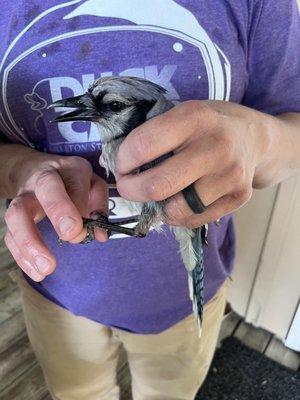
<point x="101" y="221"/>
<point x="88" y="223"/>
<point x="98" y="220"/>
<point x="104" y="223"/>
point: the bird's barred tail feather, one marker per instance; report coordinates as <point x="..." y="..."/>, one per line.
<point x="191" y="243"/>
<point x="197" y="275"/>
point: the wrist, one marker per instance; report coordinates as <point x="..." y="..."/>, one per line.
<point x="18" y="164"/>
<point x="281" y="157"/>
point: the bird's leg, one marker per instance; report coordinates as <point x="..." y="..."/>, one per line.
<point x="101" y="221"/>
<point x="145" y="221"/>
<point x="143" y="226"/>
<point x="98" y="220"/>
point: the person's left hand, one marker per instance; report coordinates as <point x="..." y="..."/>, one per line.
<point x="217" y="145"/>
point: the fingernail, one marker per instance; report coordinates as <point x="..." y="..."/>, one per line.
<point x="66" y="224"/>
<point x="31" y="270"/>
<point x="35" y="275"/>
<point x="42" y="264"/>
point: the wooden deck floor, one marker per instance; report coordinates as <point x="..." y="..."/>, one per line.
<point x="21" y="377"/>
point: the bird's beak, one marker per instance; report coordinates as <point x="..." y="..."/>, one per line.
<point x="84" y="109"/>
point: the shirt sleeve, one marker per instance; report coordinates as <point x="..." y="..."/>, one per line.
<point x="274" y="57"/>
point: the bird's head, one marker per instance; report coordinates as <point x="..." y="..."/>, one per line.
<point x="116" y="104"/>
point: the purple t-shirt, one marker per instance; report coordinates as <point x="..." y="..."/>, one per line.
<point x="245" y="51"/>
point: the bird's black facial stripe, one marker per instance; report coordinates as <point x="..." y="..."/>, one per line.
<point x="139" y="115"/>
<point x="110" y="106"/>
<point x="97" y="100"/>
<point x="115" y="106"/>
<point x="145" y="106"/>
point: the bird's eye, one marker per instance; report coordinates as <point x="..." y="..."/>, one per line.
<point x="116" y="106"/>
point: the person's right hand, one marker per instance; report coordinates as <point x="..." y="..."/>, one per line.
<point x="63" y="188"/>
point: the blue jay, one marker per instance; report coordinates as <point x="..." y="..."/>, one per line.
<point x="118" y="105"/>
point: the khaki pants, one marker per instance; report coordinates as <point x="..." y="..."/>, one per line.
<point x="79" y="356"/>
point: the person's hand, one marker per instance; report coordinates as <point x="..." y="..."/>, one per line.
<point x="62" y="188"/>
<point x="216" y="145"/>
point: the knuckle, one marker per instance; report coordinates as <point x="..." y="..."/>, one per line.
<point x="247" y="194"/>
<point x="15" y="208"/>
<point x="202" y="113"/>
<point x="74" y="159"/>
<point x="159" y="188"/>
<point x="225" y="146"/>
<point x="42" y="178"/>
<point x="238" y="172"/>
<point x="192" y="223"/>
<point x="74" y="185"/>
<point x="67" y="163"/>
<point x="142" y="145"/>
<point x="242" y="196"/>
<point x="122" y="190"/>
<point x="27" y="243"/>
<point x="79" y="162"/>
<point x="174" y="210"/>
<point x="53" y="209"/>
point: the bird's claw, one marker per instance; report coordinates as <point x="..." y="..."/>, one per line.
<point x="90" y="233"/>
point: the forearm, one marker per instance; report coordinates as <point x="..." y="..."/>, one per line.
<point x="13" y="161"/>
<point x="282" y="159"/>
